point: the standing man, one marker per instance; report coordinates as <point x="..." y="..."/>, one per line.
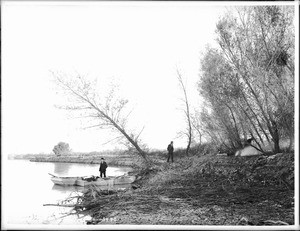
<point x="102" y="168"/>
<point x="170" y="151"/>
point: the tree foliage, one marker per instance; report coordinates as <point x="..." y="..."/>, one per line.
<point x="248" y="82"/>
<point x="61" y="148"/>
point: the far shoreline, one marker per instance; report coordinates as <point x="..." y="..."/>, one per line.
<point x="80" y="158"/>
<point x="84" y="161"/>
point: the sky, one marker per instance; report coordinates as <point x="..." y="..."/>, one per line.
<point x="137" y="44"/>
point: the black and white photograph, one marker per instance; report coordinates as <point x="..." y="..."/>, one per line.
<point x="149" y="115"/>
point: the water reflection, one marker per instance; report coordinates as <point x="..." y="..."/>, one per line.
<point x="40" y="190"/>
<point x="61" y="168"/>
<point x="61" y="188"/>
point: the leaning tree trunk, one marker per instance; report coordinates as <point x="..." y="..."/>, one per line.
<point x="146" y="160"/>
<point x="84" y="99"/>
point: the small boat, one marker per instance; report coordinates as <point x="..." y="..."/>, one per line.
<point x="92" y="180"/>
<point x="108" y="181"/>
<point x="64" y="181"/>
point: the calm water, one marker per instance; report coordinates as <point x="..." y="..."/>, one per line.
<point x="27" y="186"/>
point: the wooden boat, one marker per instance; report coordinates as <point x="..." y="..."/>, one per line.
<point x="108" y="181"/>
<point x="64" y="181"/>
<point x="98" y="181"/>
<point x="92" y="180"/>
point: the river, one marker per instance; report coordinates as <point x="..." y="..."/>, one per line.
<point x="26" y="186"/>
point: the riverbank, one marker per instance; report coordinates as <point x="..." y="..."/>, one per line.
<point x="113" y="159"/>
<point x="202" y="190"/>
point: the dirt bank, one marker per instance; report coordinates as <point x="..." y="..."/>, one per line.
<point x="202" y="190"/>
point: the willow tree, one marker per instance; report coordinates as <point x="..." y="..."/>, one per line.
<point x="101" y="109"/>
<point x="258" y="42"/>
<point x="251" y="76"/>
<point x="220" y="90"/>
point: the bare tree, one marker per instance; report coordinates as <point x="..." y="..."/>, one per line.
<point x="196" y="124"/>
<point x="103" y="112"/>
<point x="187" y="113"/>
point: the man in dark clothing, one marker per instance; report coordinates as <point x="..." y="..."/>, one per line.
<point x="170" y="151"/>
<point x="102" y="168"/>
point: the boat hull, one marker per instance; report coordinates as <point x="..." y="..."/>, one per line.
<point x="65" y="181"/>
<point x="98" y="182"/>
<point x="81" y="181"/>
<point x="110" y="181"/>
